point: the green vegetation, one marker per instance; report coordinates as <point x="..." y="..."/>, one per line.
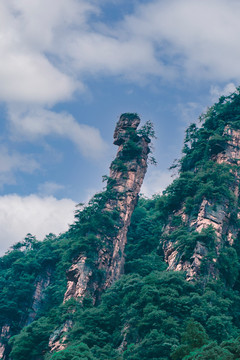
<point x="149" y="313"/>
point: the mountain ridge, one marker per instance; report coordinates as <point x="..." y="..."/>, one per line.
<point x="179" y="295"/>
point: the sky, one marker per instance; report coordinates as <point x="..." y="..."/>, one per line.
<point x="69" y="68"/>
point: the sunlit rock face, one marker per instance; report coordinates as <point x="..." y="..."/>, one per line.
<point x="210" y="214"/>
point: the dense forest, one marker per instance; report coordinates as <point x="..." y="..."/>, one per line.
<point x="152" y="311"/>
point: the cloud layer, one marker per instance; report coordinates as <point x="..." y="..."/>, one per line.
<point x="195" y="38"/>
<point x="32" y="214"/>
<point x="47" y="49"/>
<point x="34" y="122"/>
<point x="12" y="162"/>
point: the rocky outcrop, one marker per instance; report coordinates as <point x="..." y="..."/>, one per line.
<point x="41" y="284"/>
<point x="126" y="176"/>
<point x="212" y="215"/>
<point x="79" y="276"/>
<point x="4" y="337"/>
<point x="127" y="172"/>
<point x="57" y="341"/>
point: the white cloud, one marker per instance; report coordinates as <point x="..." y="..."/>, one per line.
<point x="35" y="122"/>
<point x="30" y="33"/>
<point x="99" y="54"/>
<point x="156" y="182"/>
<point x="32" y="214"/>
<point x="197" y="38"/>
<point x="11" y="162"/>
<point x="48" y="48"/>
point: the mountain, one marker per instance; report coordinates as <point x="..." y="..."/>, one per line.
<point x="138" y="278"/>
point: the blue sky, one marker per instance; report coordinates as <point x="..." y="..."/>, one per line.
<point x="69" y="68"/>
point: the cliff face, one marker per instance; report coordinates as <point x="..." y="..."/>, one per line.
<point x="216" y="215"/>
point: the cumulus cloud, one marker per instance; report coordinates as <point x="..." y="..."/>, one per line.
<point x="11" y="162"/>
<point x="99" y="54"/>
<point x="47" y="49"/>
<point x="156" y="182"/>
<point x="29" y="39"/>
<point x="32" y="214"/>
<point x="196" y="38"/>
<point x="32" y="123"/>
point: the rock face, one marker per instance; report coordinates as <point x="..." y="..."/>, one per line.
<point x="215" y="215"/>
<point x="127" y="172"/>
<point x="41" y="284"/>
<point x="4" y="337"/>
<point x="126" y="175"/>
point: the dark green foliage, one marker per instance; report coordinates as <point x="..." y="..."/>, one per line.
<point x="118" y="165"/>
<point x="212" y="351"/>
<point x="229" y="266"/>
<point x="192" y="338"/>
<point x="130" y="116"/>
<point x="75" y="352"/>
<point x="32" y="339"/>
<point x="210" y="139"/>
<point x="212" y="181"/>
<point x="131" y="150"/>
<point x="147" y="130"/>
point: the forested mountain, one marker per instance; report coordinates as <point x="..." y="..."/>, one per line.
<point x="149" y="279"/>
